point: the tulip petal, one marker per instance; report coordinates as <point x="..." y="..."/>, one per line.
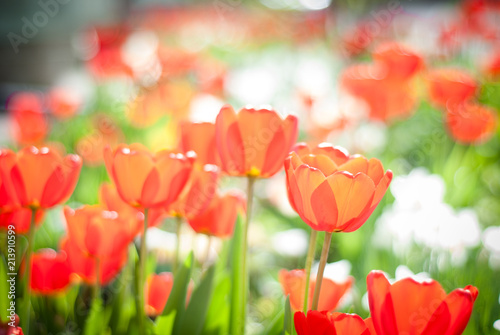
<point x="308" y="179"/>
<point x="229" y="141"/>
<point x="351" y="324"/>
<point x="150" y="188"/>
<point x="414" y="303"/>
<point x="355" y="165"/>
<point x="316" y="323"/>
<point x="292" y="187"/>
<point x="375" y="170"/>
<point x="337" y="154"/>
<point x="320" y="162"/>
<point x="380" y="301"/>
<point x="324" y="207"/>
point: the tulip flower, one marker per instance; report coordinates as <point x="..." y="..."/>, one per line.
<point x="333" y="191"/>
<point x="293" y="285"/>
<point x="322" y="323"/>
<point x="385" y="97"/>
<point x="412" y="307"/>
<point x="8" y="202"/>
<point x="453" y="85"/>
<point x="400" y="62"/>
<point x="39" y="177"/>
<point x="63" y="103"/>
<point x="50" y="272"/>
<point x="471" y="122"/>
<point x="29" y="124"/>
<point x="11" y="327"/>
<point x="220" y="217"/>
<point x="158" y="287"/>
<point x="254" y="142"/>
<point x="200" y="138"/>
<point x="91" y="270"/>
<point x="145" y="180"/>
<point x="111" y="201"/>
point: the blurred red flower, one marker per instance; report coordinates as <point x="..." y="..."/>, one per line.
<point x="144" y="179"/>
<point x="293" y="284"/>
<point x="220" y="216"/>
<point x="20" y="218"/>
<point x="158" y="288"/>
<point x="29" y="124"/>
<point x="332" y="191"/>
<point x="447" y="84"/>
<point x="412" y="307"/>
<point x="471" y="122"/>
<point x="323" y="323"/>
<point x="200" y="138"/>
<point x="254" y="142"/>
<point x="39" y="177"/>
<point x="63" y="103"/>
<point x="50" y="272"/>
<point x="399" y="62"/>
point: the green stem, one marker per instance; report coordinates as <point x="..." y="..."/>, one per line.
<point x="309" y="260"/>
<point x="142" y="274"/>
<point x="178" y="221"/>
<point x="244" y="287"/>
<point x="321" y="269"/>
<point x="25" y="321"/>
<point x="97" y="284"/>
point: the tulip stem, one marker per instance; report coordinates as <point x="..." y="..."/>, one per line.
<point x="27" y="277"/>
<point x="207" y="253"/>
<point x="309" y="260"/>
<point x="178" y="221"/>
<point x="245" y="286"/>
<point x="142" y="274"/>
<point x="321" y="269"/>
<point x="97" y="284"/>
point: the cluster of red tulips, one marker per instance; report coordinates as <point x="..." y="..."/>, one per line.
<point x="331" y="190"/>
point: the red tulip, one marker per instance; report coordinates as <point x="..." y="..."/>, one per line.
<point x="158" y="287"/>
<point x="30" y="125"/>
<point x="111" y="201"/>
<point x="220" y="216"/>
<point x="410" y="307"/>
<point x="50" y="272"/>
<point x="200" y="138"/>
<point x="198" y="192"/>
<point x="293" y="285"/>
<point x="63" y="103"/>
<point x="84" y="265"/>
<point x="8" y="202"/>
<point x="40" y="178"/>
<point x="99" y="233"/>
<point x="322" y="323"/>
<point x="471" y="122"/>
<point x="253" y="142"/>
<point x="7" y="328"/>
<point x="145" y="180"/>
<point x="20" y="218"/>
<point x="385" y="97"/>
<point x="399" y="62"/>
<point x="332" y="191"/>
<point x="452" y="85"/>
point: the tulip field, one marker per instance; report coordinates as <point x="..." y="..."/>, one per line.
<point x="278" y="167"/>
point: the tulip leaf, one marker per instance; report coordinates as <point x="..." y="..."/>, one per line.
<point x="165" y="323"/>
<point x="276" y="325"/>
<point x="288" y="319"/>
<point x="237" y="279"/>
<point x="98" y="318"/>
<point x="196" y="312"/>
<point x="4" y="290"/>
<point x="177" y="299"/>
<point x="217" y="321"/>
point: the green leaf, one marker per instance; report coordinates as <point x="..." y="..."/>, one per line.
<point x="276" y="325"/>
<point x="288" y="319"/>
<point x="97" y="321"/>
<point x="217" y="321"/>
<point x="237" y="279"/>
<point x="196" y="312"/>
<point x="165" y="323"/>
<point x="177" y="299"/>
<point x="4" y="289"/>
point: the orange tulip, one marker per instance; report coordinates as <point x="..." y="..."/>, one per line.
<point x="29" y="124"/>
<point x="452" y="85"/>
<point x="111" y="201"/>
<point x="471" y="122"/>
<point x="8" y="201"/>
<point x="39" y="177"/>
<point x="253" y="142"/>
<point x="145" y="180"/>
<point x="20" y="218"/>
<point x="332" y="191"/>
<point x="400" y="62"/>
<point x="200" y="138"/>
<point x="322" y="323"/>
<point x="385" y="97"/>
<point x="158" y="288"/>
<point x="50" y="272"/>
<point x="99" y="233"/>
<point x="198" y="192"/>
<point x="220" y="216"/>
<point x="85" y="265"/>
<point x="410" y="307"/>
<point x="293" y="285"/>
